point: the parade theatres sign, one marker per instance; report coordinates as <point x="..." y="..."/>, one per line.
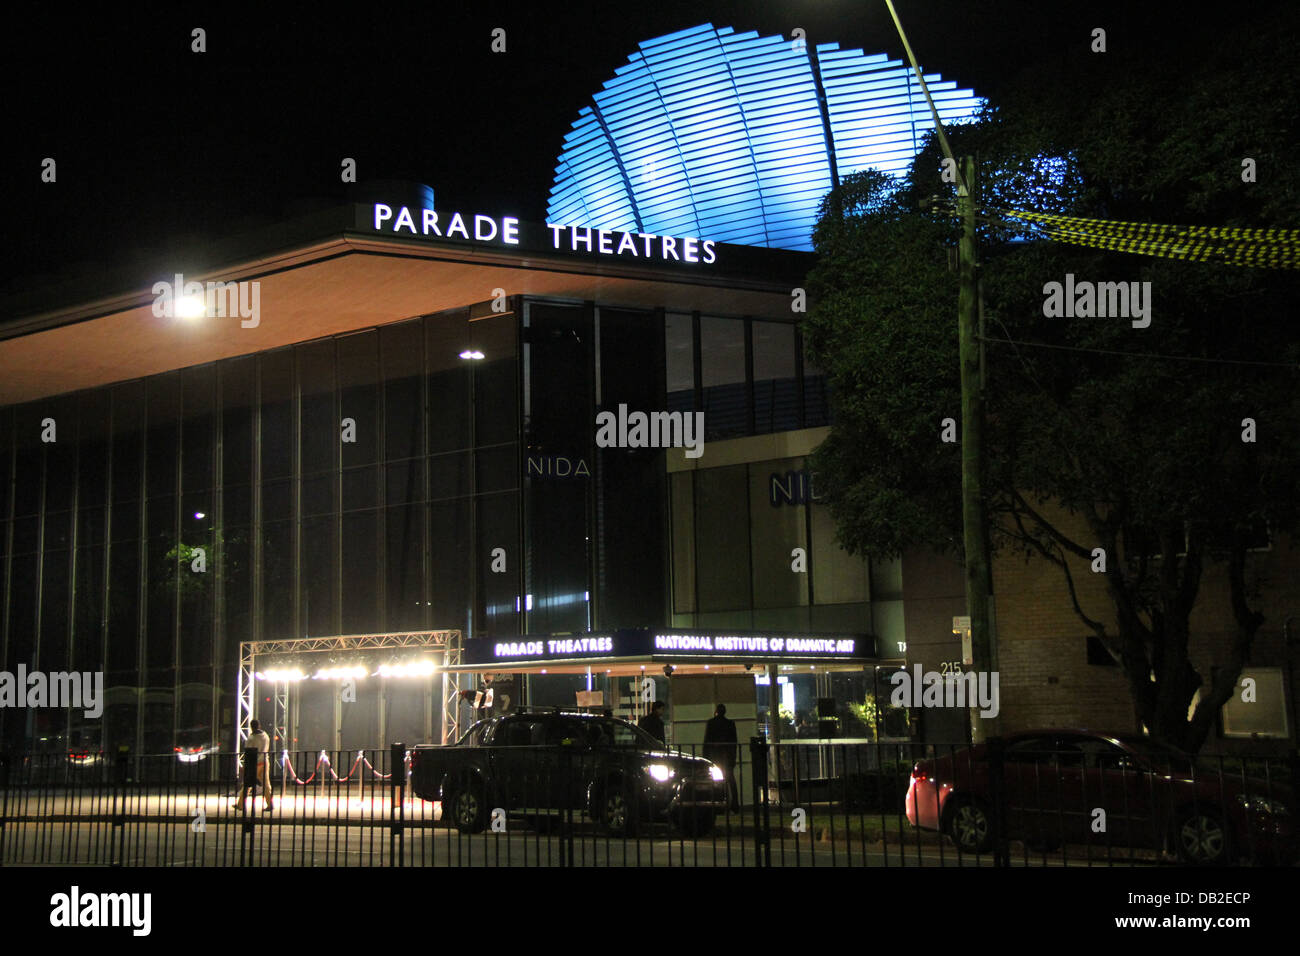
<point x="507" y="230"/>
<point x="668" y="645"/>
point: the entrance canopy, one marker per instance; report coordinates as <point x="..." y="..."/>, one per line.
<point x="274" y="662"/>
<point x="631" y="650"/>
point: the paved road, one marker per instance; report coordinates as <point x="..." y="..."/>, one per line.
<point x="342" y="827"/>
<point x="286" y="845"/>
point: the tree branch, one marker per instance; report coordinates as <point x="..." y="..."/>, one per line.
<point x="1046" y="526"/>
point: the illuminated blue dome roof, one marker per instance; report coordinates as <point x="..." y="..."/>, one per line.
<point x="722" y="135"/>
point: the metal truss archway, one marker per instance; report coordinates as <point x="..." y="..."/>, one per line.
<point x="448" y="642"/>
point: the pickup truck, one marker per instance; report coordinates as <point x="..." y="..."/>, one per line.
<point x="542" y="763"/>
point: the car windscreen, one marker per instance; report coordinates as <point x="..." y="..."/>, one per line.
<point x="474" y="736"/>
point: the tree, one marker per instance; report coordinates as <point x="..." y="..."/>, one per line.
<point x="1145" y="453"/>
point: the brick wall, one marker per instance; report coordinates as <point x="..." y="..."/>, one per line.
<point x="1046" y="679"/>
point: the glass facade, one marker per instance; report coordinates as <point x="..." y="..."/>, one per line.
<point x="355" y="484"/>
<point x="748" y="376"/>
<point x="372" y="481"/>
<point x="734" y="533"/>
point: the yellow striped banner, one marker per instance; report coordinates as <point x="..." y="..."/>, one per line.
<point x="1262" y="248"/>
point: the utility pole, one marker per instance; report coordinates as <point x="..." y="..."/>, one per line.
<point x="979" y="584"/>
<point x="974" y="526"/>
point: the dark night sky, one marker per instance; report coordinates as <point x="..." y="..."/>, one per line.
<point x="155" y="143"/>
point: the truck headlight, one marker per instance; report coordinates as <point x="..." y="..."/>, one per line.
<point x="716" y="774"/>
<point x="660" y="771"/>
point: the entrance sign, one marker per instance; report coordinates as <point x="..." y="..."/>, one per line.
<point x="552" y="648"/>
<point x="673" y="645"/>
<point x="774" y="645"/>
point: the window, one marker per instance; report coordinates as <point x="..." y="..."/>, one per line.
<point x="520" y="733"/>
<point x="722" y="357"/>
<point x="816" y="404"/>
<point x="128" y="414"/>
<point x="198" y="393"/>
<point x="475" y="735"/>
<point x="1263" y="712"/>
<point x="402" y="350"/>
<point x="319" y="424"/>
<point x="1094" y="754"/>
<point x="162" y="444"/>
<point x="625" y="735"/>
<point x="446" y="336"/>
<point x="238" y="395"/>
<point x="358" y="371"/>
<point x="773" y="532"/>
<point x="722" y="538"/>
<point x="1029" y="750"/>
<point x="776" y="399"/>
<point x="567" y="729"/>
<point x="277" y="410"/>
<point x="679" y="355"/>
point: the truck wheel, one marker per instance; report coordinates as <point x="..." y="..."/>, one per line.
<point x="613" y="813"/>
<point x="468" y="809"/>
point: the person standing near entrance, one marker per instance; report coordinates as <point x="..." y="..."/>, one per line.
<point x="720" y="747"/>
<point x="653" y="722"/>
<point x="259" y="741"/>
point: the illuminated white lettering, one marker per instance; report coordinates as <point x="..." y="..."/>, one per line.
<point x="431" y="222"/>
<point x="517" y="649"/>
<point x="404" y="218"/>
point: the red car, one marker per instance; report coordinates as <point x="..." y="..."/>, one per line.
<point x="1149" y="795"/>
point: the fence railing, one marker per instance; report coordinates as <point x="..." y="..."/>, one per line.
<point x="806" y="803"/>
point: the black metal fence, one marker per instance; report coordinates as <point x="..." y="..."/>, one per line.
<point x="799" y="803"/>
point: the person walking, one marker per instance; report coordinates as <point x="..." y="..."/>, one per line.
<point x="259" y="741"/>
<point x="653" y="722"/>
<point x="720" y="747"/>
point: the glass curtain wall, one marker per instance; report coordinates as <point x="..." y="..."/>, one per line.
<point x="373" y="482"/>
<point x="356" y="484"/>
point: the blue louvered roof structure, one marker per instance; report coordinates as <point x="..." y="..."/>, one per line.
<point x="735" y="137"/>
